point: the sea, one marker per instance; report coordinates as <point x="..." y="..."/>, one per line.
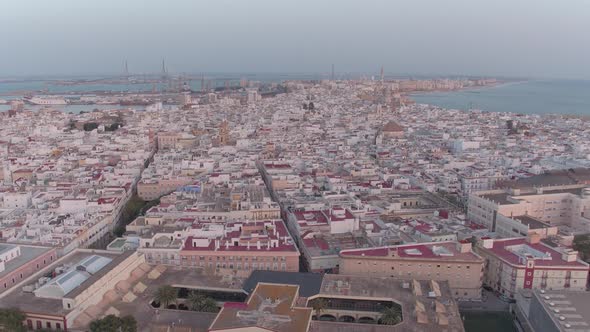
<point x="566" y="97"/>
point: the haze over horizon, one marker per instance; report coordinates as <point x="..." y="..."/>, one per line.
<point x="527" y="38"/>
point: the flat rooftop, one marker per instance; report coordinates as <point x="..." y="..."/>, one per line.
<point x="28" y="302"/>
<point x="572" y="306"/>
<point x="532" y="222"/>
<point x="446" y="251"/>
<point x="27" y="254"/>
<point x="508" y="250"/>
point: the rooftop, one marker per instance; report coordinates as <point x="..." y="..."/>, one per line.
<point x="566" y="308"/>
<point x="270" y="306"/>
<point x="514" y="250"/>
<point x="428" y="251"/>
<point x="27" y="254"/>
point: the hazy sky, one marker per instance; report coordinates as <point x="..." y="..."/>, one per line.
<point x="541" y="38"/>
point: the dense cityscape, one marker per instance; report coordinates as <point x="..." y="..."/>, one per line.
<point x="302" y="205"/>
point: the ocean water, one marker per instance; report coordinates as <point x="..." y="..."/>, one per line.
<point x="530" y="97"/>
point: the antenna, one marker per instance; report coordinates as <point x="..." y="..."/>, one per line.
<point x="332" y="72"/>
<point x="164" y="72"/>
<point x="126" y="70"/>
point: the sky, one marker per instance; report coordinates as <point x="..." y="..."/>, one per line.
<point x="515" y="38"/>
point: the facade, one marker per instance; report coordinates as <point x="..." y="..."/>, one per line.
<point x="167" y="141"/>
<point x="452" y="261"/>
<point x="241" y="247"/>
<point x="232" y="247"/>
<point x="526" y="263"/>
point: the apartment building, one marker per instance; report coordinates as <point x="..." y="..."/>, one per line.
<point x="260" y="245"/>
<point x="527" y="263"/>
<point x="566" y="206"/>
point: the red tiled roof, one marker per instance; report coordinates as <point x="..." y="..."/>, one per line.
<point x="500" y="250"/>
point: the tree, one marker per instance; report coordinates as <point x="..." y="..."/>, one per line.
<point x="319" y="305"/>
<point x="90" y="126"/>
<point x="582" y="245"/>
<point x="199" y="302"/>
<point x="112" y="323"/>
<point x="209" y="305"/>
<point x="391" y="316"/>
<point x="128" y="324"/>
<point x="195" y="299"/>
<point x="166" y="295"/>
<point x="11" y="319"/>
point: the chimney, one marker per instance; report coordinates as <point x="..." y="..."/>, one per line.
<point x="463" y="246"/>
<point x="487" y="243"/>
<point x="534" y="238"/>
<point x="569" y="255"/>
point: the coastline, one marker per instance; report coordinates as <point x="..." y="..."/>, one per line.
<point x="564" y="98"/>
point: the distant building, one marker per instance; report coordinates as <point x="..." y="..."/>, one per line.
<point x="392" y="130"/>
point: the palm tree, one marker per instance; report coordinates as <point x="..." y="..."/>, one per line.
<point x="195" y="300"/>
<point x="166" y="294"/>
<point x="318" y="306"/>
<point x="391" y="315"/>
<point x="199" y="302"/>
<point x="209" y="305"/>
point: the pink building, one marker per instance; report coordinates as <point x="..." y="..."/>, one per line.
<point x="260" y="245"/>
<point x="526" y="263"/>
<point x="18" y="262"/>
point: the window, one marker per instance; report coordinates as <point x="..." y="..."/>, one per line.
<point x="57" y="326"/>
<point x="48" y="324"/>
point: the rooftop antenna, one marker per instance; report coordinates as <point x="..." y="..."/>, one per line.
<point x="164" y="73"/>
<point x="126" y="70"/>
<point x="332" y="72"/>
